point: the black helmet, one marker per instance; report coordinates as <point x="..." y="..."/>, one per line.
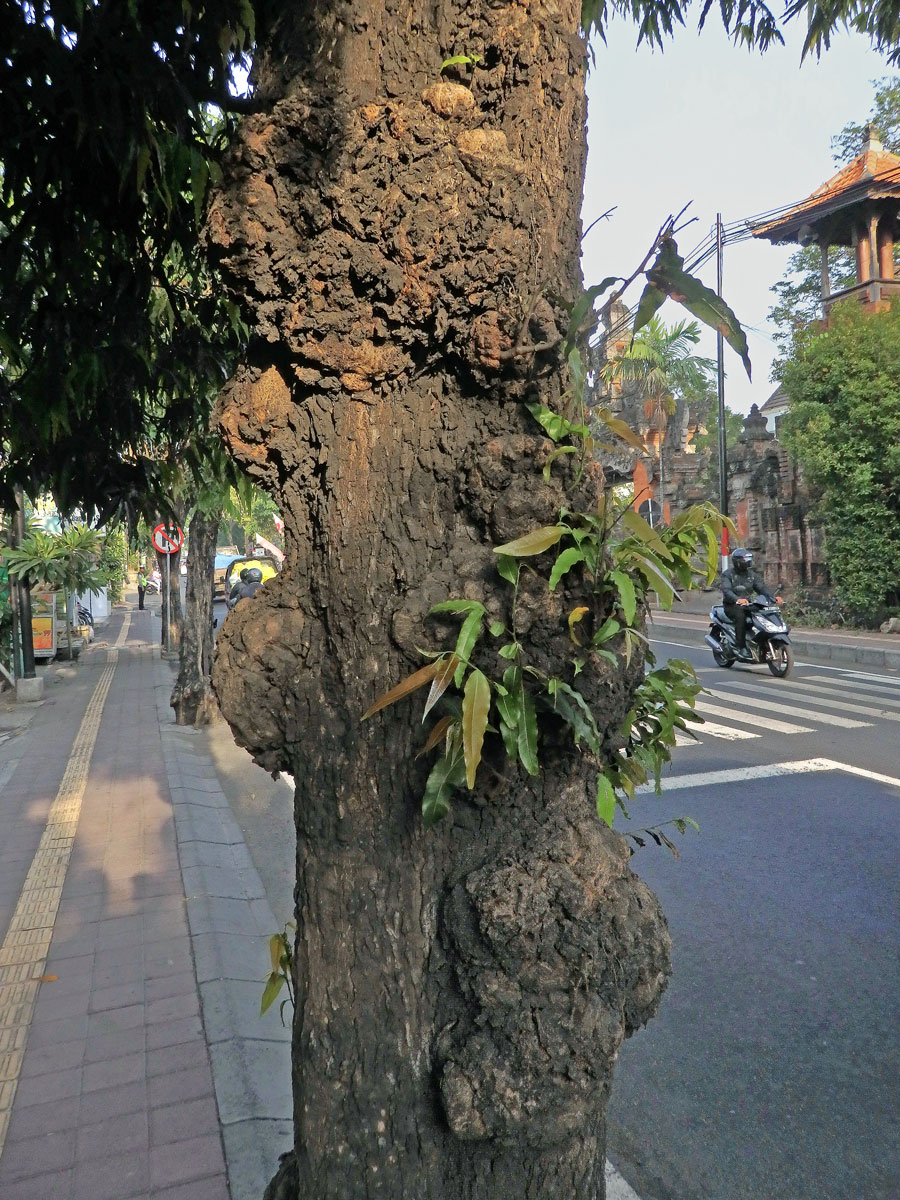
<point x="742" y="560"/>
<point x="245" y="575"/>
<point x="252" y="575"/>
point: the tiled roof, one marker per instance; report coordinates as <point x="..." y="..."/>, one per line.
<point x="873" y="172"/>
<point x="778" y="399"/>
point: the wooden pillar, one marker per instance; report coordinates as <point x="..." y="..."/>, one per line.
<point x="885" y="252"/>
<point x="826" y="277"/>
<point x="863" y="255"/>
<point x="875" y="288"/>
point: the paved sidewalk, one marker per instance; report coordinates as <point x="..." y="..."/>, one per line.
<point x="133" y="1062"/>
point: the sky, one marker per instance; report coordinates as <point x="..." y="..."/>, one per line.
<point x="729" y="131"/>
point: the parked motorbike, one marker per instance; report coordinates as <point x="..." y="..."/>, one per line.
<point x="767" y="641"/>
<point x="84" y="615"/>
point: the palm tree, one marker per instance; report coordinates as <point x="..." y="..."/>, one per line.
<point x="661" y="362"/>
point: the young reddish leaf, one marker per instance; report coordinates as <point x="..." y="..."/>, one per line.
<point x="404" y="688"/>
<point x="475" y="706"/>
<point x="532" y="543"/>
<point x="441" y="681"/>
<point x="436" y="735"/>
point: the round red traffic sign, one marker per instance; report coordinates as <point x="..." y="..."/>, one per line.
<point x="167" y="539"/>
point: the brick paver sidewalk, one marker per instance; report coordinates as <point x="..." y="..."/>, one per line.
<point x="106" y="1077"/>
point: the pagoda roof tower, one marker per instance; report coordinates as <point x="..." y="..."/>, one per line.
<point x="858" y="207"/>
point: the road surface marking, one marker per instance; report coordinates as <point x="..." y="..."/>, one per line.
<point x="787" y="709"/>
<point x="855" y="691"/>
<point x="716" y="710"/>
<point x="806" y="766"/>
<point x="866" y="710"/>
<point x="616" y="1187"/>
<point x="24" y="951"/>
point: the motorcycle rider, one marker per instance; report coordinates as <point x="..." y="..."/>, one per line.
<point x="739" y="585"/>
<point x="251" y="581"/>
<point x="232" y="598"/>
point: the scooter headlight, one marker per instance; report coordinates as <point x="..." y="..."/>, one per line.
<point x="770" y="626"/>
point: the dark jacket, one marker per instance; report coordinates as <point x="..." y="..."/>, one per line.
<point x="743" y="585"/>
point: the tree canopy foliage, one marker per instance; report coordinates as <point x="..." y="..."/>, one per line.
<point x="112" y="334"/>
<point x="844" y="427"/>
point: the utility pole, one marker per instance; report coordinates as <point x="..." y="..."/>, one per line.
<point x="720" y="347"/>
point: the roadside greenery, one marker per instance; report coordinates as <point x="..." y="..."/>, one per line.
<point x="113" y="563"/>
<point x="844" y="427"/>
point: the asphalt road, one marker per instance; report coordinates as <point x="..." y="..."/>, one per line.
<point x="772" y="1068"/>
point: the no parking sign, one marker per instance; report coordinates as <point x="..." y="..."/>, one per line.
<point x="168" y="539"/>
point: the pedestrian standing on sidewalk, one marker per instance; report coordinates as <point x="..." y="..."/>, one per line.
<point x="141" y="586"/>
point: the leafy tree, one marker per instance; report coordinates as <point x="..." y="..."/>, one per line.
<point x="110" y="327"/>
<point x="799" y="290"/>
<point x="113" y="562"/>
<point x="844" y="427"/>
<point x="660" y="360"/>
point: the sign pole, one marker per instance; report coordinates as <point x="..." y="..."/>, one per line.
<point x="168" y="601"/>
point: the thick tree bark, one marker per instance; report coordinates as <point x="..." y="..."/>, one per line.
<point x="396" y="237"/>
<point x="192" y="697"/>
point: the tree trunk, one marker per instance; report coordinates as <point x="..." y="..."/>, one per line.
<point x="395" y="237"/>
<point x="192" y="697"/>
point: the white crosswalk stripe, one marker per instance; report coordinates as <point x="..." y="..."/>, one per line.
<point x="788" y="709"/>
<point x="712" y="730"/>
<point x="866" y="710"/>
<point x="716" y="710"/>
<point x="855" y="691"/>
<point x="752" y="700"/>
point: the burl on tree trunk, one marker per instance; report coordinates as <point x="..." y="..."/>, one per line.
<point x="396" y="237"/>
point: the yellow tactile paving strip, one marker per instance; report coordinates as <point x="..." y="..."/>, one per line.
<point x="23" y="954"/>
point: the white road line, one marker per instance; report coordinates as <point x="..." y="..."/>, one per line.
<point x="839" y="685"/>
<point x="865" y="710"/>
<point x="787" y="709"/>
<point x="805" y="766"/>
<point x="684" y="739"/>
<point x="717" y="731"/>
<point x="716" y="710"/>
<point x="616" y="1187"/>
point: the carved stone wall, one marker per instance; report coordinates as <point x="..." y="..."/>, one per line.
<point x="770" y="505"/>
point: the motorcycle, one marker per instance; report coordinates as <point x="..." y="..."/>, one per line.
<point x="767" y="637"/>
